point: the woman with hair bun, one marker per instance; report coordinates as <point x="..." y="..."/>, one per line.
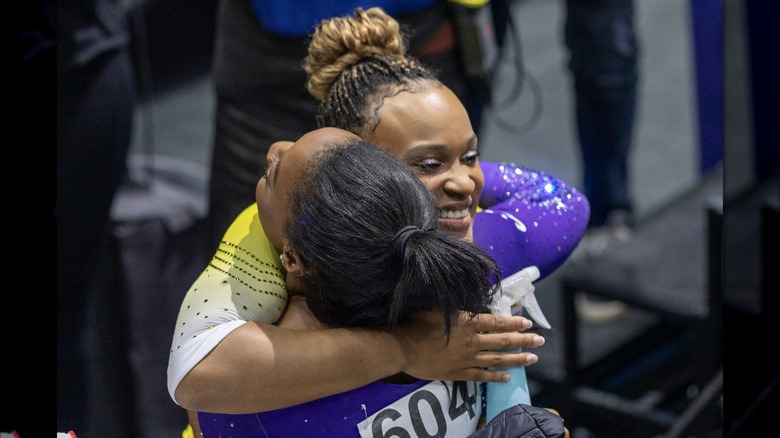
<point x="367" y="84"/>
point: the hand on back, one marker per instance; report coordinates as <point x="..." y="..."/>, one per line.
<point x="476" y="343"/>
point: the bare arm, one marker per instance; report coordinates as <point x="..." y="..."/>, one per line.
<point x="259" y="367"/>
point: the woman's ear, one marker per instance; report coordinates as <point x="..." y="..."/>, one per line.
<point x="292" y="262"/>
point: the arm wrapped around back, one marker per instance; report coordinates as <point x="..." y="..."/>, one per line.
<point x="529" y="218"/>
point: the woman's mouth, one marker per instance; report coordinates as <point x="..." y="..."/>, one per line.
<point x="456" y="221"/>
<point x="453" y="214"/>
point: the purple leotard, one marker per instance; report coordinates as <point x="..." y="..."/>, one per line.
<point x="447" y="409"/>
<point x="529" y="218"/>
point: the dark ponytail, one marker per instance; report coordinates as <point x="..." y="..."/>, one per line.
<point x="346" y="216"/>
<point x="446" y="272"/>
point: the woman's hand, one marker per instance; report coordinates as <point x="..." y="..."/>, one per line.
<point x="474" y="345"/>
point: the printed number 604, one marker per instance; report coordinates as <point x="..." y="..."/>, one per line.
<point x="422" y="413"/>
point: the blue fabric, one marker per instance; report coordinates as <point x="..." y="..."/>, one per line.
<point x="295" y="18"/>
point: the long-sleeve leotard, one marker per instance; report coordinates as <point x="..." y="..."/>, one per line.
<point x="529" y="218"/>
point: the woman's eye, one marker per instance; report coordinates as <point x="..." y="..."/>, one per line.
<point x="470" y="157"/>
<point x="428" y="165"/>
<point x="269" y="164"/>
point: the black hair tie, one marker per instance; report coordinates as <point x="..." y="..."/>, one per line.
<point x="400" y="238"/>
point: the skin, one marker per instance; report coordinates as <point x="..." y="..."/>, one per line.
<point x="287" y="162"/>
<point x="440" y="145"/>
<point x="276" y="372"/>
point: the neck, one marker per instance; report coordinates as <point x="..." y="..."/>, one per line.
<point x="297" y="316"/>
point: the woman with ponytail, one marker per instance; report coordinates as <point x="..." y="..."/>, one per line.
<point x="363" y="236"/>
<point x="359" y="246"/>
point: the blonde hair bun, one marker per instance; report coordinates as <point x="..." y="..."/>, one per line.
<point x="341" y="42"/>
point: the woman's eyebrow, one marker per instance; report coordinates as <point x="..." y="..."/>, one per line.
<point x="426" y="148"/>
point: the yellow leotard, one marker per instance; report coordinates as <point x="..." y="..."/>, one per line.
<point x="243" y="282"/>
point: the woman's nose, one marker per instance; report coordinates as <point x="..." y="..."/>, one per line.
<point x="460" y="181"/>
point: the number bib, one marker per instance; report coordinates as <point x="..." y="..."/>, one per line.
<point x="439" y="409"/>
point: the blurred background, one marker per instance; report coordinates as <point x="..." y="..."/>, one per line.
<point x="692" y="279"/>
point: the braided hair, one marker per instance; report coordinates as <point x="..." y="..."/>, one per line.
<point x="354" y="63"/>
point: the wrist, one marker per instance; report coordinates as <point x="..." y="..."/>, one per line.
<point x="397" y="348"/>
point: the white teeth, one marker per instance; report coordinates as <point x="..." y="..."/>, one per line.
<point x="450" y="214"/>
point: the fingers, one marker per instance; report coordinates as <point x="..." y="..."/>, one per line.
<point x="505" y="359"/>
<point x="508" y="341"/>
<point x="486" y="322"/>
<point x="496" y="362"/>
<point x="483" y="375"/>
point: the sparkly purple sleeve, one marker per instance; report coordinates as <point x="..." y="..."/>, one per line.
<point x="528" y="218"/>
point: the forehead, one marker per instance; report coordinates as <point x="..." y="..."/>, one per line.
<point x="300" y="153"/>
<point x="430" y="115"/>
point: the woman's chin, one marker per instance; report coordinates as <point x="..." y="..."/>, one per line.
<point x="461" y="228"/>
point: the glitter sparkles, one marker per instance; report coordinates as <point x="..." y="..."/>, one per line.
<point x="551" y="215"/>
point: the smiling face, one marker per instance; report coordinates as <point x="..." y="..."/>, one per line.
<point x="287" y="162"/>
<point x="430" y="131"/>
